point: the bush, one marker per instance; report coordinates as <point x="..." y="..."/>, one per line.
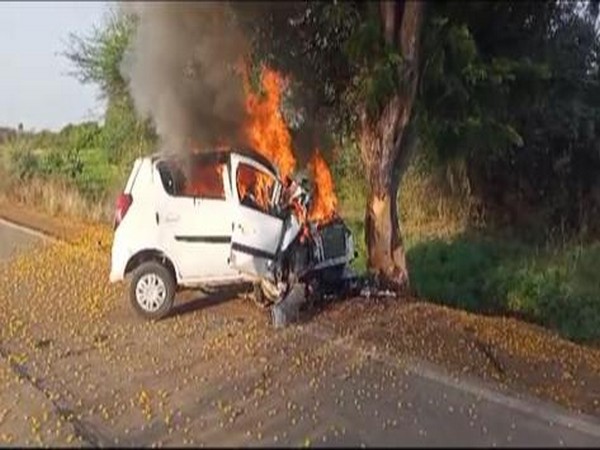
<point x="558" y="289"/>
<point x="22" y="162"/>
<point x="76" y="158"/>
<point x="454" y="274"/>
<point x="61" y="163"/>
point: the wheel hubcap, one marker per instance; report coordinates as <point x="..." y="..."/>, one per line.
<point x="150" y="292"/>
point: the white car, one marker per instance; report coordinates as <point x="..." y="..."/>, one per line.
<point x="218" y="218"/>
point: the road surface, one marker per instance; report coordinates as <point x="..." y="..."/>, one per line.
<point x="218" y="375"/>
<point x="13" y="239"/>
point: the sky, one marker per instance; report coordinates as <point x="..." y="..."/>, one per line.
<point x="35" y="88"/>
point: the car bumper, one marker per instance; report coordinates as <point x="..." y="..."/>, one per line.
<point x="119" y="259"/>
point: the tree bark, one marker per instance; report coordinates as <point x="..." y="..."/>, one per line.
<point x="386" y="143"/>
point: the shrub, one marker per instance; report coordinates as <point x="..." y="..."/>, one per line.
<point x="22" y="162"/>
<point x="452" y="273"/>
<point x="557" y="289"/>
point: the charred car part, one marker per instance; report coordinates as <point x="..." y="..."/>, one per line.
<point x="313" y="261"/>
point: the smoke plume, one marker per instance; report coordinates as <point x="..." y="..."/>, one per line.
<point x="180" y="67"/>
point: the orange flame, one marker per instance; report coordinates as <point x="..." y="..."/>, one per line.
<point x="324" y="204"/>
<point x="266" y="130"/>
<point x="251" y="181"/>
<point x="268" y="134"/>
<point x="205" y="181"/>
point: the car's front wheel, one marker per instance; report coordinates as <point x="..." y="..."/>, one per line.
<point x="152" y="290"/>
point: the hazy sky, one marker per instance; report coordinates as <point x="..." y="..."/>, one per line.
<point x="34" y="86"/>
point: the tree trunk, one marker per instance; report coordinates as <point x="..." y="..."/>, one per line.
<point x="386" y="163"/>
<point x="386" y="143"/>
<point x="386" y="257"/>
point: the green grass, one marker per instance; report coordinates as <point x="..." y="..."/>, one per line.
<point x="555" y="288"/>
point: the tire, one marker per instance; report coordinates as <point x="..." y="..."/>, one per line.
<point x="152" y="290"/>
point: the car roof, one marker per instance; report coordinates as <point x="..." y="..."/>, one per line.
<point x="222" y="154"/>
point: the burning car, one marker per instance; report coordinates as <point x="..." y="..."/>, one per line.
<point x="222" y="217"/>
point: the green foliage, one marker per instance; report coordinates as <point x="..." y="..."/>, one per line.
<point x="463" y="94"/>
<point x="77" y="154"/>
<point x="125" y="136"/>
<point x="22" y="162"/>
<point x="376" y="65"/>
<point x="512" y="89"/>
<point x="454" y="274"/>
<point x="351" y="182"/>
<point x="557" y="289"/>
<point x="97" y="57"/>
<point x="61" y="163"/>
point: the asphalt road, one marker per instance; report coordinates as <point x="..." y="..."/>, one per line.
<point x="14" y="239"/>
<point x="301" y="386"/>
<point x="20" y="399"/>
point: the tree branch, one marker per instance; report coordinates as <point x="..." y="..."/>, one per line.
<point x="410" y="30"/>
<point x="388" y="10"/>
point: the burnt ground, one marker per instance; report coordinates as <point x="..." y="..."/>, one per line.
<point x="217" y="373"/>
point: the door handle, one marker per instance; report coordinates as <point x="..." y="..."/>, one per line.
<point x="172" y="217"/>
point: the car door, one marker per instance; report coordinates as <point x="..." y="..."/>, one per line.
<point x="178" y="222"/>
<point x="214" y="217"/>
<point x="257" y="229"/>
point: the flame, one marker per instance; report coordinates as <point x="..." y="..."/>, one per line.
<point x="259" y="185"/>
<point x="205" y="180"/>
<point x="266" y="129"/>
<point x="267" y="133"/>
<point x="323" y="208"/>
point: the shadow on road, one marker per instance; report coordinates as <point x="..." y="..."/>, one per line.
<point x="190" y="301"/>
<point x="311" y="310"/>
<point x="200" y="299"/>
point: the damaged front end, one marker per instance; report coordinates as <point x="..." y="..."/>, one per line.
<point x="294" y="255"/>
<point x="313" y="261"/>
<point x="316" y="267"/>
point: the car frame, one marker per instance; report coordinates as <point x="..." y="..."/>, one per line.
<point x="167" y="241"/>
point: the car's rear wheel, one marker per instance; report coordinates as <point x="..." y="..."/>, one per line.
<point x="152" y="290"/>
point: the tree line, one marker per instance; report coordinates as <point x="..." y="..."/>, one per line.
<point x="510" y="90"/>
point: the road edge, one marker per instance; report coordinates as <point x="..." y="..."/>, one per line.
<point x="28" y="230"/>
<point x="525" y="403"/>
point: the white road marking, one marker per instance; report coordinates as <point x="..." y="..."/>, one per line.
<point x="23" y="229"/>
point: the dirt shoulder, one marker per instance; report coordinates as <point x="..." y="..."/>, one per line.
<point x="59" y="227"/>
<point x="518" y="355"/>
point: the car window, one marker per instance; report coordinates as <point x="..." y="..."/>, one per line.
<point x="255" y="188"/>
<point x="203" y="179"/>
<point x="171" y="177"/>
